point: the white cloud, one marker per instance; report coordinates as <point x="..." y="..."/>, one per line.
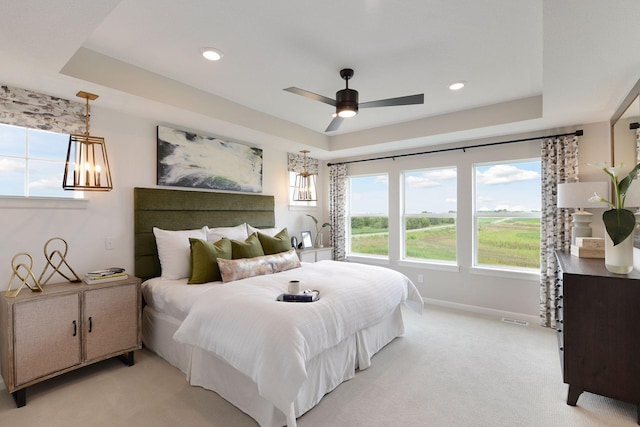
<point x="432" y="178"/>
<point x="449" y="200"/>
<point x="8" y="165"/>
<point x="381" y="179"/>
<point x="505" y="174"/>
<point x="51" y="183"/>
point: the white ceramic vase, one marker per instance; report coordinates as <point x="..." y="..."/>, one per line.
<point x="619" y="258"/>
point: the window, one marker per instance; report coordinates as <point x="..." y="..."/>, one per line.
<point x="429" y="214"/>
<point x="368" y="215"/>
<point x="32" y="163"/>
<point x="507" y="214"/>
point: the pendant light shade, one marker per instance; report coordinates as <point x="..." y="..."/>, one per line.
<point x="305" y="186"/>
<point x="87" y="165"/>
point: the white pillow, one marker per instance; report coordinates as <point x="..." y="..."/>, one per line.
<point x="268" y="231"/>
<point x="174" y="250"/>
<point x="239" y="232"/>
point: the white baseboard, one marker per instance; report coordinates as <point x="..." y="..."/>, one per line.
<point x="499" y="314"/>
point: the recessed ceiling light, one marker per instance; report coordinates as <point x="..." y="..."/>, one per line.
<point x="456" y="85"/>
<point x="212" y="54"/>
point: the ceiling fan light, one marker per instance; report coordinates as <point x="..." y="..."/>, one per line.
<point x="346" y="113"/>
<point x="211" y="53"/>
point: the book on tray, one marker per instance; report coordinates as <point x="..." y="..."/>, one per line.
<point x="306" y="296"/>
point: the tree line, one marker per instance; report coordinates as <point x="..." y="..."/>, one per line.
<point x="382" y="223"/>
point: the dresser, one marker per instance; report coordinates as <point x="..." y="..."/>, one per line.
<point x="598" y="329"/>
<point x="66" y="327"/>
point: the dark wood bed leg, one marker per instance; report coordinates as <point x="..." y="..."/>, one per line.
<point x="127" y="358"/>
<point x="20" y="396"/>
<point x="573" y="395"/>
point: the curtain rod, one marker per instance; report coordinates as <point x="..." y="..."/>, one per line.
<point x="579" y="132"/>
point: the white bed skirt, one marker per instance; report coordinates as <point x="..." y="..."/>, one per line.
<point x="325" y="372"/>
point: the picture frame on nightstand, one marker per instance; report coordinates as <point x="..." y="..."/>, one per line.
<point x="306" y="239"/>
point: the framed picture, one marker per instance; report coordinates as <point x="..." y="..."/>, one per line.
<point x="306" y="239"/>
<point x="186" y="159"/>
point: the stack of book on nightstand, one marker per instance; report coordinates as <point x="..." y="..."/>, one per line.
<point x="106" y="275"/>
<point x="588" y="247"/>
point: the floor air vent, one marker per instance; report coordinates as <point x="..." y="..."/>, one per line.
<point x="515" y="321"/>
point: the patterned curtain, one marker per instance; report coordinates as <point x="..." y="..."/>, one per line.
<point x="638" y="145"/>
<point x="21" y="107"/>
<point x="295" y="163"/>
<point x="337" y="210"/>
<point x="559" y="164"/>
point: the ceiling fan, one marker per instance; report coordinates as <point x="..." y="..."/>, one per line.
<point x="346" y="101"/>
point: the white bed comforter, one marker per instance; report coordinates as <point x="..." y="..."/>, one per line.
<point x="270" y="341"/>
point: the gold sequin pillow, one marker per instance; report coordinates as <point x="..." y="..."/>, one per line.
<point x="236" y="269"/>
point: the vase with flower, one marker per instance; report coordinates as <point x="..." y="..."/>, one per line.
<point x="318" y="239"/>
<point x="618" y="221"/>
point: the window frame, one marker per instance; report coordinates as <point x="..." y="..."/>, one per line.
<point x="494" y="269"/>
<point x="26" y="199"/>
<point x="448" y="265"/>
<point x="379" y="259"/>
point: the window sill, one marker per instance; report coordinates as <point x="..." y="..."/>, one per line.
<point x="9" y="202"/>
<point x="376" y="260"/>
<point x="302" y="208"/>
<point x="503" y="272"/>
<point x="429" y="265"/>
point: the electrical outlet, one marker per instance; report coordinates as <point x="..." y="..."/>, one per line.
<point x="420" y="278"/>
<point x="108" y="243"/>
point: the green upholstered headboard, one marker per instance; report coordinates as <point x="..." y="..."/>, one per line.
<point x="183" y="210"/>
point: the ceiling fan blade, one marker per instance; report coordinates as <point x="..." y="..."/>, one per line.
<point x="335" y="124"/>
<point x="403" y="100"/>
<point x="311" y="95"/>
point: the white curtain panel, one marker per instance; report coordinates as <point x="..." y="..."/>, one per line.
<point x="338" y="210"/>
<point x="22" y="107"/>
<point x="559" y="164"/>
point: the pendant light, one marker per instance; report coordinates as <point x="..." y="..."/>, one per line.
<point x="87" y="166"/>
<point x="305" y="187"/>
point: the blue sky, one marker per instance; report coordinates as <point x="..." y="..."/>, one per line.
<point x="510" y="186"/>
<point x="45" y="176"/>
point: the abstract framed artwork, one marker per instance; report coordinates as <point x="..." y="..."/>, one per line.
<point x="186" y="159"/>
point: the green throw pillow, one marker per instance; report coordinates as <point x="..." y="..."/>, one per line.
<point x="276" y="244"/>
<point x="204" y="259"/>
<point x="250" y="248"/>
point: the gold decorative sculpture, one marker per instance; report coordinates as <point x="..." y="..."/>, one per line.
<point x="28" y="273"/>
<point x="60" y="260"/>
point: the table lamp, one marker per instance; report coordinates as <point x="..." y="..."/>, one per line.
<point x="576" y="195"/>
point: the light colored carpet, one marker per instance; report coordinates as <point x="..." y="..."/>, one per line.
<point x="450" y="369"/>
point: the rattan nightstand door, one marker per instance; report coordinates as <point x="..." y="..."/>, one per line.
<point x="47" y="336"/>
<point x="110" y="321"/>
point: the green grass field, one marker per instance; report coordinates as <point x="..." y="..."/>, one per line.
<point x="512" y="242"/>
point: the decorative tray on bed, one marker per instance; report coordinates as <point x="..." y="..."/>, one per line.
<point x="306" y="296"/>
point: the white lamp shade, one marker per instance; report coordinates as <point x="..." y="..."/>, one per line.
<point x="577" y="194"/>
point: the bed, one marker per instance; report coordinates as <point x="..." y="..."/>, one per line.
<point x="273" y="360"/>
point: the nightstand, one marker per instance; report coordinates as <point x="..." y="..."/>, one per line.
<point x="65" y="327"/>
<point x="315" y="254"/>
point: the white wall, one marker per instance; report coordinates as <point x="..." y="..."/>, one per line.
<point x="131" y="146"/>
<point x="466" y="287"/>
